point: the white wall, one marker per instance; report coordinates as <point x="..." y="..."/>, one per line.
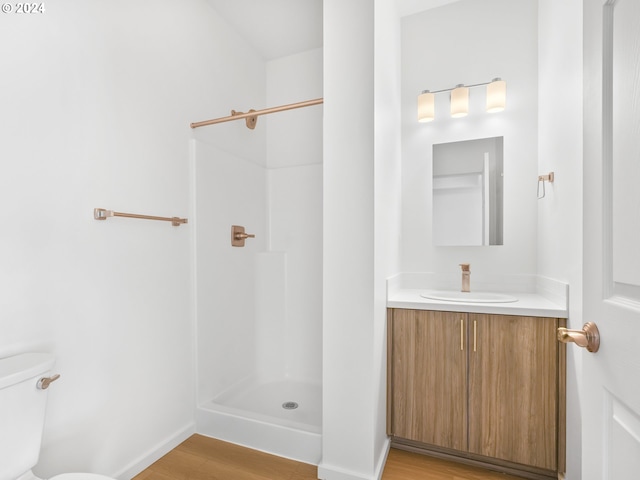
<point x="361" y="205"/>
<point x="348" y="242"/>
<point x="294" y="160"/>
<point x="471" y="42"/>
<point x="560" y="212"/>
<point x="294" y="137"/>
<point x="229" y="190"/>
<point x="259" y="307"/>
<point x="387" y="199"/>
<point x="96" y="99"/>
<point x="295" y="216"/>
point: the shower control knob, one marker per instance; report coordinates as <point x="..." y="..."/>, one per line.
<point x="44" y="382"/>
<point x="242" y="236"/>
<point x="238" y="236"/>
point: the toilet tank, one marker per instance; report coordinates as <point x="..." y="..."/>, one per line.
<point x="22" y="408"/>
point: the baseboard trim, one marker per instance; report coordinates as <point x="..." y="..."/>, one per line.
<point x="331" y="472"/>
<point x="501" y="466"/>
<point x="382" y="459"/>
<point x="155" y="453"/>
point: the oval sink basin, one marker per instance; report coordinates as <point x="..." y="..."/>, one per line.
<point x="469" y="297"/>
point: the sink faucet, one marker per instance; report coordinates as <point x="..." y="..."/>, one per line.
<point x="466" y="277"/>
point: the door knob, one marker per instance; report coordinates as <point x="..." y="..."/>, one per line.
<point x="588" y="337"/>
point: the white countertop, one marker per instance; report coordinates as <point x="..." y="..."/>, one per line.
<point x="537" y="296"/>
<point x="528" y="304"/>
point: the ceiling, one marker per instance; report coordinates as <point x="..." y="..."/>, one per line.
<point x="410" y="7"/>
<point x="278" y="28"/>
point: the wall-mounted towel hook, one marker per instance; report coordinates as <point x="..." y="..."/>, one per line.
<point x="541" y="180"/>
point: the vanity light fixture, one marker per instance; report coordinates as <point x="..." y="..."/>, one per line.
<point x="426" y="106"/>
<point x="496" y="95"/>
<point x="459" y="99"/>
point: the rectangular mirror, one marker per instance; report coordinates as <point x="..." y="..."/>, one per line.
<point x="468" y="192"/>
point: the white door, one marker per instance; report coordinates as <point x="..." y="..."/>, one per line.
<point x="610" y="389"/>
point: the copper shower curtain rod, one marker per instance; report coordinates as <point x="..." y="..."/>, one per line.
<point x="252" y="115"/>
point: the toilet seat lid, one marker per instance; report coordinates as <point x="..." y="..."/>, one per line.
<point x="80" y="476"/>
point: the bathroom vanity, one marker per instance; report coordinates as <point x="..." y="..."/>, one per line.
<point x="481" y="383"/>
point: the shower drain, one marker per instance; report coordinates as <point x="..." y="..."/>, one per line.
<point x="289" y="405"/>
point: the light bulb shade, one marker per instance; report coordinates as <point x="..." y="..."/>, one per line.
<point x="459" y="101"/>
<point x="426" y="107"/>
<point x="496" y="95"/>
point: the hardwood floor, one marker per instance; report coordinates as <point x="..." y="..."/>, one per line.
<point x="203" y="458"/>
<point x="403" y="465"/>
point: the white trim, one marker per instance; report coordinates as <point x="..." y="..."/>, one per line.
<point x="156" y="453"/>
<point x="382" y="459"/>
<point x="331" y="472"/>
<point x="607" y="148"/>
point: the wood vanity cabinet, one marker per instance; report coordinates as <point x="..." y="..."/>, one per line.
<point x="486" y="389"/>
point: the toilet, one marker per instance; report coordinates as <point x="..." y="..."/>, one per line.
<point x="24" y="383"/>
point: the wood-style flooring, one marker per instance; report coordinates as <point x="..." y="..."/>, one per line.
<point x="203" y="458"/>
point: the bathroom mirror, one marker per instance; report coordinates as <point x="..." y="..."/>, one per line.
<point x="468" y="192"/>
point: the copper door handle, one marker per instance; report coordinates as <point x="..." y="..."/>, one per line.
<point x="588" y="337"/>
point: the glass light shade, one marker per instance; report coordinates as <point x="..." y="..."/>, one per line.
<point x="496" y="95"/>
<point x="459" y="101"/>
<point x="426" y="107"/>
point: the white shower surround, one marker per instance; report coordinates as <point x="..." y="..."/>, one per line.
<point x="259" y="313"/>
<point x="259" y="308"/>
<point x="251" y="414"/>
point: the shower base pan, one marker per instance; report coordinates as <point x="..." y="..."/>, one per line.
<point x="282" y="417"/>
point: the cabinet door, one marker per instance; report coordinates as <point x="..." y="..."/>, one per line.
<point x="513" y="389"/>
<point x="428" y="376"/>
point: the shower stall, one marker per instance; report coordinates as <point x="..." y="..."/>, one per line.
<point x="259" y="306"/>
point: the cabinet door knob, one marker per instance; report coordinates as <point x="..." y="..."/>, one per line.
<point x="588" y="337"/>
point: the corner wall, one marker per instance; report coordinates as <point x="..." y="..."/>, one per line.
<point x="387" y="200"/>
<point x="294" y="188"/>
<point x="348" y="241"/>
<point x="361" y="224"/>
<point x="560" y="225"/>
